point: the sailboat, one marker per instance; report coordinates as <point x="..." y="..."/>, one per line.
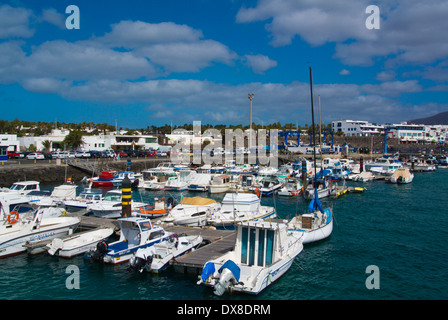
<point x="317" y="224"/>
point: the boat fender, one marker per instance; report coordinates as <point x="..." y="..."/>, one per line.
<point x="12" y="214"/>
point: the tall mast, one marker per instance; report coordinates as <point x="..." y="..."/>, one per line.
<point x="312" y="119"/>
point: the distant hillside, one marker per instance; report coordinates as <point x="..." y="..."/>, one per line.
<point x="440" y="118"/>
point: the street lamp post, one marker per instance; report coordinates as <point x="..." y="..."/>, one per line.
<point x="250" y="96"/>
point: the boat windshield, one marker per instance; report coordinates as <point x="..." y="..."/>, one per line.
<point x="17" y="187"/>
<point x="144" y="226"/>
<point x="113" y="197"/>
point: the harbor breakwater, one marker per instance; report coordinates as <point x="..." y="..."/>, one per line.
<point x="46" y="172"/>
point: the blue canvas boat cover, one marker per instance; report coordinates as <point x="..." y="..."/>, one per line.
<point x="207" y="271"/>
<point x="229" y="264"/>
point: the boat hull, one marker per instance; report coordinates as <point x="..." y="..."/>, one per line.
<point x="14" y="244"/>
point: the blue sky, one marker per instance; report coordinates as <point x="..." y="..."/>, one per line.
<point x="151" y="62"/>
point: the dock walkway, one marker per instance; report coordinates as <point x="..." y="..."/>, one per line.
<point x="215" y="242"/>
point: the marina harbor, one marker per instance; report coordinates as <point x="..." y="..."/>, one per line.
<point x="167" y="225"/>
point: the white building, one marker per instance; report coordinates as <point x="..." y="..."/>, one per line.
<point x="356" y="128"/>
<point x="407" y="132"/>
<point x="56" y="136"/>
<point x="133" y="142"/>
<point x="187" y="137"/>
<point x="11" y="141"/>
<point x="99" y="142"/>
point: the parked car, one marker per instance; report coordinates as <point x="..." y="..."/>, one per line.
<point x="121" y="153"/>
<point x="47" y="155"/>
<point x="13" y="154"/>
<point x="82" y="154"/>
<point x="55" y="155"/>
<point x="109" y="154"/>
<point x="161" y="154"/>
<point x="96" y="154"/>
<point x="35" y="156"/>
<point x="148" y="153"/>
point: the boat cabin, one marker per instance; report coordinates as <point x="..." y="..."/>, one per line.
<point x="240" y="202"/>
<point x="13" y="202"/>
<point x="259" y="243"/>
<point x="136" y="231"/>
<point x="220" y="179"/>
<point x="90" y="196"/>
<point x="113" y="195"/>
<point x="23" y="187"/>
<point x="247" y="180"/>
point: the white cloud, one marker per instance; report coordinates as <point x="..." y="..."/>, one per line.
<point x="317" y="22"/>
<point x="53" y="17"/>
<point x="135" y="34"/>
<point x="187" y="57"/>
<point x="386" y="75"/>
<point x="260" y="63"/>
<point x="411" y="31"/>
<point x="15" y="22"/>
<point x="344" y="72"/>
<point x="173" y="47"/>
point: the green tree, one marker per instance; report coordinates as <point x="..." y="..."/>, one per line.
<point x="73" y="139"/>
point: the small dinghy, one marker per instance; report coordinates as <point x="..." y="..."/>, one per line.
<point x="78" y="243"/>
<point x="157" y="257"/>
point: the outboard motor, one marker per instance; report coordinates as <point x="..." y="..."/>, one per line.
<point x="170" y="203"/>
<point x="100" y="252"/>
<point x="138" y="263"/>
<point x="140" y="260"/>
<point x="230" y="275"/>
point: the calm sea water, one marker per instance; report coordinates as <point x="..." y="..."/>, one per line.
<point x="401" y="229"/>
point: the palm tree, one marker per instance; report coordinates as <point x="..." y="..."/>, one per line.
<point x="74" y="139"/>
<point x="47" y="145"/>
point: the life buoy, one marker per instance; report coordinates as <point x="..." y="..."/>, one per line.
<point x="16" y="217"/>
<point x="245" y="170"/>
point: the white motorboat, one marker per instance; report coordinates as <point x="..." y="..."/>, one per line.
<point x="421" y="166"/>
<point x="12" y="202"/>
<point x="263" y="252"/>
<point x="22" y="187"/>
<point x="158" y="257"/>
<point x="156" y="179"/>
<point x="401" y="176"/>
<point x="110" y="207"/>
<point x="78" y="243"/>
<point x="239" y="207"/>
<point x="364" y="176"/>
<point x="292" y="187"/>
<point x="200" y="182"/>
<point x="244" y="183"/>
<point x="20" y="227"/>
<point x="88" y="196"/>
<point x="220" y="184"/>
<point x="324" y="189"/>
<point x="192" y="211"/>
<point x="136" y="233"/>
<point x="268" y="186"/>
<point x="132" y="176"/>
<point x="56" y="198"/>
<point x="180" y="184"/>
<point x="383" y="166"/>
<point x="160" y="208"/>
